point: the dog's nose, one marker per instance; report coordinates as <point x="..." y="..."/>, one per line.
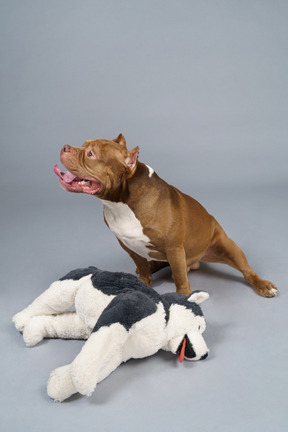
<point x="204" y="356"/>
<point x="66" y="148"/>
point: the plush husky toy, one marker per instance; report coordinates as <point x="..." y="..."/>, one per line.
<point x="120" y="316"/>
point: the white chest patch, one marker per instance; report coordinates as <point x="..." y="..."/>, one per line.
<point x="126" y="227"/>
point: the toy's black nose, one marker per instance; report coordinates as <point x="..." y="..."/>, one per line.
<point x="204" y="356"/>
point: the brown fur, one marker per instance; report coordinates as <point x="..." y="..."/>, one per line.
<point x="181" y="231"/>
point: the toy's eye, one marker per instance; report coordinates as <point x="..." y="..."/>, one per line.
<point x="199" y="327"/>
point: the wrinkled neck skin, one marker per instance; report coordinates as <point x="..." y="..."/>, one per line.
<point x="132" y="190"/>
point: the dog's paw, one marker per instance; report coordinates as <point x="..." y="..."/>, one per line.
<point x="146" y="279"/>
<point x="20" y="320"/>
<point x="60" y="385"/>
<point x="33" y="331"/>
<point x="266" y="289"/>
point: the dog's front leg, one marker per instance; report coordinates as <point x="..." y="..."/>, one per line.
<point x="177" y="260"/>
<point x="143" y="267"/>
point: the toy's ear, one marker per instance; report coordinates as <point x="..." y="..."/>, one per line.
<point x="198" y="297"/>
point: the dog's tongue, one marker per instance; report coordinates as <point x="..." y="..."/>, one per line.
<point x="182" y="351"/>
<point x="66" y="176"/>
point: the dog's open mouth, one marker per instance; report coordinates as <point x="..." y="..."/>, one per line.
<point x="72" y="183"/>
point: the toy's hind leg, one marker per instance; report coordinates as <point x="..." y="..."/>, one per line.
<point x="67" y="325"/>
<point x="224" y="250"/>
<point x="103" y="350"/>
<point x="59" y="297"/>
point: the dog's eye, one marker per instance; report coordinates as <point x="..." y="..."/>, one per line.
<point x="90" y="154"/>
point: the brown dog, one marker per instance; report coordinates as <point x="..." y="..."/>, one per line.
<point x="154" y="222"/>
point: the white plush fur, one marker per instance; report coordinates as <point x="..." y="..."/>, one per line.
<point x="106" y="349"/>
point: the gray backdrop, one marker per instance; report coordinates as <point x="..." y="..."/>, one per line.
<point x="201" y="87"/>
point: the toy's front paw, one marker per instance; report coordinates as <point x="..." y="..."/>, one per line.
<point x="33" y="332"/>
<point x="60" y="385"/>
<point x="20" y="320"/>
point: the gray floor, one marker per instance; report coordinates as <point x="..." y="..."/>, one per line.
<point x="201" y="87"/>
<point x="242" y="385"/>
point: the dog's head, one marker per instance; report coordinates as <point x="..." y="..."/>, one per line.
<point x="100" y="167"/>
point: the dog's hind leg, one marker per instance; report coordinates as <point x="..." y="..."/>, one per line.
<point x="224" y="250"/>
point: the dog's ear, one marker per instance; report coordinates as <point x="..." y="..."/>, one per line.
<point x="131" y="157"/>
<point x="121" y="140"/>
<point x="198" y="297"/>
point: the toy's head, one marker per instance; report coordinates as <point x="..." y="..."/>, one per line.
<point x="186" y="325"/>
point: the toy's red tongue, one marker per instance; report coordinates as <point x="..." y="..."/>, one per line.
<point x="182" y="351"/>
<point x="66" y="176"/>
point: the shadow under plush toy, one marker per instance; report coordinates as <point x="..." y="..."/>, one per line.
<point x="120" y="316"/>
